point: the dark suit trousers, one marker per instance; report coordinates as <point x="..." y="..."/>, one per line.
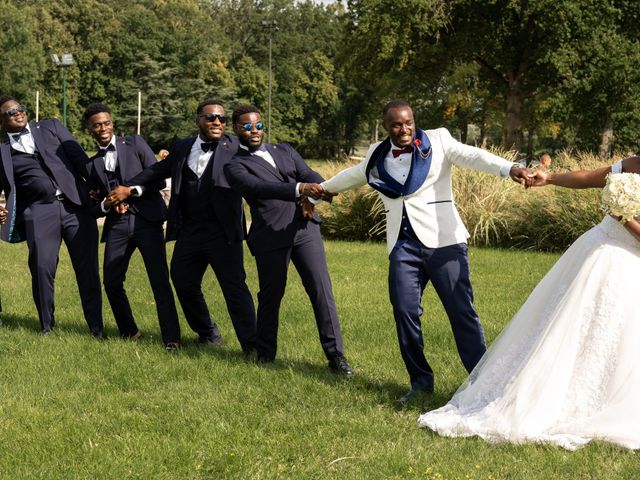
<point x="411" y="267"/>
<point x="46" y="226"/>
<point x="200" y="244"/>
<point x="126" y="234"/>
<point x="308" y="257"/>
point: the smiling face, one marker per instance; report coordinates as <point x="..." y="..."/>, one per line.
<point x="210" y="124"/>
<point x="100" y="127"/>
<point x="15" y="122"/>
<point x="398" y="122"/>
<point x="251" y="138"/>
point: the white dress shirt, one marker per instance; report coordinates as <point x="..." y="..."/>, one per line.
<point x="198" y="159"/>
<point x="110" y="165"/>
<point x="23" y="143"/>
<point x="398" y="167"/>
<point x="111" y="156"/>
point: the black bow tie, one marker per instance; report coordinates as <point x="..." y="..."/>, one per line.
<point x="24" y="131"/>
<point x="102" y="151"/>
<point x="208" y="146"/>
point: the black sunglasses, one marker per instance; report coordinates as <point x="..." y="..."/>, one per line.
<point x="212" y="117"/>
<point x="15" y="110"/>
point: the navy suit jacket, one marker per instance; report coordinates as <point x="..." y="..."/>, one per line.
<point x="226" y="203"/>
<point x="271" y="194"/>
<point x="65" y="159"/>
<point x="134" y="155"/>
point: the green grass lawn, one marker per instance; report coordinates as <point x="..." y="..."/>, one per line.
<point x="72" y="407"/>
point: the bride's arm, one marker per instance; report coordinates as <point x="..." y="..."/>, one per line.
<point x="634" y="227"/>
<point x="582" y="178"/>
<point x="578" y="179"/>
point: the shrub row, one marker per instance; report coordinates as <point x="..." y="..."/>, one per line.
<point x="497" y="213"/>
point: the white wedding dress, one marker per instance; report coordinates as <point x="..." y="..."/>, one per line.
<point x="566" y="369"/>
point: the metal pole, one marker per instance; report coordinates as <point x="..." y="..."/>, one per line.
<point x="37" y="105"/>
<point x="64" y="96"/>
<point x="269" y="104"/>
<point x="139" y="109"/>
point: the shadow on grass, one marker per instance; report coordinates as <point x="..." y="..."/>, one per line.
<point x="382" y="392"/>
<point x="12" y="321"/>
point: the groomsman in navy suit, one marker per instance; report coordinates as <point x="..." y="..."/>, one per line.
<point x="43" y="175"/>
<point x="271" y="179"/>
<point x="134" y="225"/>
<point x="207" y="221"/>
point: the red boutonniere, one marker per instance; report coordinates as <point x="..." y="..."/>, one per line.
<point x="417" y="142"/>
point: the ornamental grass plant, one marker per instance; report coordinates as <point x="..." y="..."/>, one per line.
<point x="497" y="213"/>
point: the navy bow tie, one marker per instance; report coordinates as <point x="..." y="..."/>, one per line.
<point x="396" y="152"/>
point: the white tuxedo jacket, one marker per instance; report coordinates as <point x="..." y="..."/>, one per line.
<point x="431" y="208"/>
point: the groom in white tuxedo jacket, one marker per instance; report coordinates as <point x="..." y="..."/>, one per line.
<point x="426" y="239"/>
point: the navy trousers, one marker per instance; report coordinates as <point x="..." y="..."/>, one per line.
<point x="308" y="257"/>
<point x="199" y="245"/>
<point x="126" y="234"/>
<point x="411" y="267"/>
<point x="46" y="226"/>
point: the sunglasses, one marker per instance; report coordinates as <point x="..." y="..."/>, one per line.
<point x="212" y="117"/>
<point x="15" y="110"/>
<point x="247" y="127"/>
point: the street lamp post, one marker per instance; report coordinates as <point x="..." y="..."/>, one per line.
<point x="64" y="62"/>
<point x="271" y="25"/>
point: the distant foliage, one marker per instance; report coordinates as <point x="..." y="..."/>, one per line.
<point x="497" y="213"/>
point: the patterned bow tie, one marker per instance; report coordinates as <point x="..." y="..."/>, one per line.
<point x="399" y="151"/>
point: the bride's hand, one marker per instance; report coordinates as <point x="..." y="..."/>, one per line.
<point x="539" y="178"/>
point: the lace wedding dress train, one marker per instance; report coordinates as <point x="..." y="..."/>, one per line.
<point x="566" y="369"/>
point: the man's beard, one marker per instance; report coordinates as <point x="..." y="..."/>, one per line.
<point x="253" y="148"/>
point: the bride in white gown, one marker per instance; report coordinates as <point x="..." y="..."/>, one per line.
<point x="566" y="369"/>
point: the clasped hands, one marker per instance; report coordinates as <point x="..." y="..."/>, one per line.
<point x="314" y="191"/>
<point x="114" y="200"/>
<point x="527" y="177"/>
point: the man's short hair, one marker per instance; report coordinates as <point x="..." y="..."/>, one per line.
<point x="208" y="101"/>
<point x="395" y="104"/>
<point x="243" y="109"/>
<point x="7" y="98"/>
<point x="92" y="109"/>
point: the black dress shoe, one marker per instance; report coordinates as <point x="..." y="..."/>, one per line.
<point x="413" y="395"/>
<point x="265" y="360"/>
<point x="134" y="337"/>
<point x="211" y="341"/>
<point x="339" y="365"/>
